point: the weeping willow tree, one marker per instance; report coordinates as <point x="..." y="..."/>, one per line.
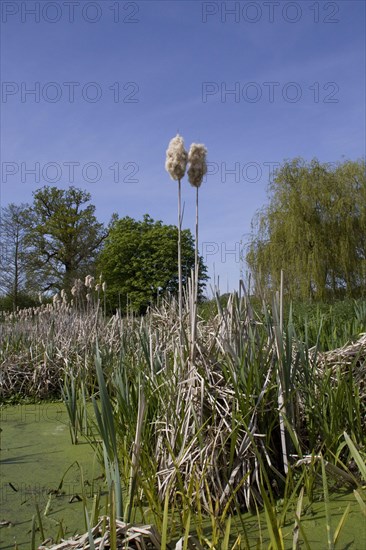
<point x="314" y="228"/>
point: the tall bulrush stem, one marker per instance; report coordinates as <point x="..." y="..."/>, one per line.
<point x="198" y="168"/>
<point x="195" y="285"/>
<point x="176" y="164"/>
<point x="180" y="291"/>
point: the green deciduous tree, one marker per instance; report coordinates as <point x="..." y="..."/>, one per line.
<point x="314" y="228"/>
<point x="64" y="237"/>
<point x="139" y="261"/>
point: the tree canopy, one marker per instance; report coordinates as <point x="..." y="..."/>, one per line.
<point x="139" y="261"/>
<point x="314" y="228"/>
<point x="64" y="237"/>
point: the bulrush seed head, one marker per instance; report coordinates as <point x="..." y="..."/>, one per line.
<point x="176" y="158"/>
<point x="89" y="281"/>
<point x="198" y="167"/>
<point x="77" y="288"/>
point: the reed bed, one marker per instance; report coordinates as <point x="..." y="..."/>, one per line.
<point x="228" y="428"/>
<point x="40" y="345"/>
<point x="350" y="358"/>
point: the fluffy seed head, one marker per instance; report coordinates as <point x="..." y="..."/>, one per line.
<point x="198" y="167"/>
<point x="176" y="158"/>
<point x="89" y="281"/>
<point x="77" y="288"/>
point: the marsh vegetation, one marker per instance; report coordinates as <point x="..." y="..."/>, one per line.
<point x="260" y="421"/>
<point x="224" y="424"/>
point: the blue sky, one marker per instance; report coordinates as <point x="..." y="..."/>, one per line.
<point x="114" y="81"/>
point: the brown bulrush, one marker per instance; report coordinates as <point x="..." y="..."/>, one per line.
<point x="176" y="164"/>
<point x="176" y="158"/>
<point x="198" y="166"/>
<point x="197" y="170"/>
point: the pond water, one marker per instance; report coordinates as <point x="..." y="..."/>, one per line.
<point x="36" y="452"/>
<point x="313" y="520"/>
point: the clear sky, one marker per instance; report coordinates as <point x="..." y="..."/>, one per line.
<point x="92" y="92"/>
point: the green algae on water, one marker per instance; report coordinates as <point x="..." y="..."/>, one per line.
<point x="36" y="452"/>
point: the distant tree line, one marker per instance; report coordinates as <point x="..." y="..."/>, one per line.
<point x="313" y="228"/>
<point x="45" y="246"/>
